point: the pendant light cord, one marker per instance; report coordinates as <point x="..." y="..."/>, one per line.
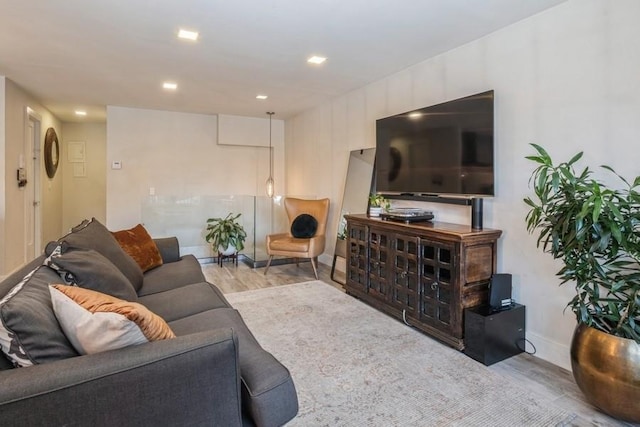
<point x="270" y="148"/>
<point x="270" y="181"/>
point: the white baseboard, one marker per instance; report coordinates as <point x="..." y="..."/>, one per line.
<point x="551" y="351"/>
<point x="326" y="259"/>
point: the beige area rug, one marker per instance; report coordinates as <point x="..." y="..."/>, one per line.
<point x="354" y="366"/>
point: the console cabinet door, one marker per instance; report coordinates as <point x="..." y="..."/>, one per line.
<point x="357" y="266"/>
<point x="437" y="281"/>
<point x="379" y="259"/>
<point x="404" y="274"/>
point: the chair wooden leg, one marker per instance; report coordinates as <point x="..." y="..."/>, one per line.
<point x="268" y="264"/>
<point x="315" y="270"/>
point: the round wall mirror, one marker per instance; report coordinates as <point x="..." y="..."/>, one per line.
<point x="51" y="152"/>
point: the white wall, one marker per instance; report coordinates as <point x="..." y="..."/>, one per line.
<point x="16" y="101"/>
<point x="177" y="154"/>
<point x="566" y="79"/>
<point x="84" y="196"/>
<point x="3" y="180"/>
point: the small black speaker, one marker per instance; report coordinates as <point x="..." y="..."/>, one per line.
<point x="500" y="291"/>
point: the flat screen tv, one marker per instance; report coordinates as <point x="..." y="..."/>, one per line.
<point x="444" y="149"/>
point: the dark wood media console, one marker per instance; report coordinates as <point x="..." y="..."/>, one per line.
<point x="424" y="273"/>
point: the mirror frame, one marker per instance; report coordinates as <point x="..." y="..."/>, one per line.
<point x="51" y="152"/>
<point x="361" y="200"/>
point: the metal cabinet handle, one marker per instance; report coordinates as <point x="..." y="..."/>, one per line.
<point x="434" y="286"/>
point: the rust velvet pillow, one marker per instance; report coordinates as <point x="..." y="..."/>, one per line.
<point x="140" y="246"/>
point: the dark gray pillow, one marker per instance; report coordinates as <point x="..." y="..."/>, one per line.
<point x="304" y="226"/>
<point x="29" y="331"/>
<point x="93" y="235"/>
<point x="88" y="269"/>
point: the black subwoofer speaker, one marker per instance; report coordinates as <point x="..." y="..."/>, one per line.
<point x="491" y="336"/>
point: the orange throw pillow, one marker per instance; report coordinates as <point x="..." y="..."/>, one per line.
<point x="140" y="246"/>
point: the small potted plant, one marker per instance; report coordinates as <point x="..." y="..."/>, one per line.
<point x="226" y="235"/>
<point x="377" y="204"/>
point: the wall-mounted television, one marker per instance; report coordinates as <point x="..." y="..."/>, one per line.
<point x="444" y="149"/>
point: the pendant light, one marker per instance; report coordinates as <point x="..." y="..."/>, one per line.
<point x="270" y="183"/>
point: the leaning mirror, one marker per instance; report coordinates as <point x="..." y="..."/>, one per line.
<point x="357" y="187"/>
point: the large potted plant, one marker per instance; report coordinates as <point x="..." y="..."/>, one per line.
<point x="594" y="230"/>
<point x="226" y="235"/>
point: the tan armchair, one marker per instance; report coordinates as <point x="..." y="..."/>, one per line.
<point x="285" y="244"/>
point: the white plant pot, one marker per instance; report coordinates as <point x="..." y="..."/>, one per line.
<point x="230" y="250"/>
<point x="375" y="211"/>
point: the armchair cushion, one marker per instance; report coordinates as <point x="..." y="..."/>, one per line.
<point x="290" y="244"/>
<point x="304" y="226"/>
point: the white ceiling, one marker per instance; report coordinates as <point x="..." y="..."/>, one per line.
<point x="87" y="54"/>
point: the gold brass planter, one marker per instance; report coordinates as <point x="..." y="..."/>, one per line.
<point x="607" y="370"/>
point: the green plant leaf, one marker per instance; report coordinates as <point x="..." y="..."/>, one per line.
<point x="595" y="230"/>
<point x="597" y="207"/>
<point x="575" y="158"/>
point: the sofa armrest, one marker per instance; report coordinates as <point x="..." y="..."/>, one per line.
<point x="189" y="380"/>
<point x="169" y="248"/>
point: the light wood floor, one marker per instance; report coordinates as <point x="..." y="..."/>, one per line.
<point x="536" y="374"/>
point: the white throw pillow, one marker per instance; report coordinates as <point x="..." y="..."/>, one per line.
<point x="104" y="328"/>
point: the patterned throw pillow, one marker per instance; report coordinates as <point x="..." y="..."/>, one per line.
<point x="88" y="269"/>
<point x="95" y="322"/>
<point x="29" y="331"/>
<point x="93" y="235"/>
<point x="140" y="246"/>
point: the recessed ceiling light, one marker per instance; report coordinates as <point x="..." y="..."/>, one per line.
<point x="80" y="113"/>
<point x="316" y="60"/>
<point x="188" y="35"/>
<point x="170" y="85"/>
<point x="415" y="115"/>
<point x="261" y="97"/>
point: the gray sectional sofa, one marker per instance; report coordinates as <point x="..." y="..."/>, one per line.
<point x="213" y="373"/>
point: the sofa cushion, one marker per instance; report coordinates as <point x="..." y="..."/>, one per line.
<point x="172" y="275"/>
<point x="266" y="383"/>
<point x="140" y="246"/>
<point x="96" y="322"/>
<point x="29" y="331"/>
<point x="93" y="235"/>
<point x="89" y="269"/>
<point x="169" y="248"/>
<point x="184" y="301"/>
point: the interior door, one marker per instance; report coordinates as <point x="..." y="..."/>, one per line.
<point x="32" y="231"/>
